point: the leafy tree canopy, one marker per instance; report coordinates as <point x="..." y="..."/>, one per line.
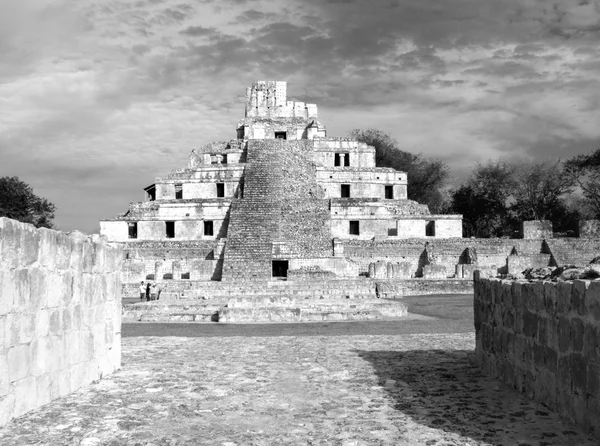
<point x="17" y="201"/>
<point x="499" y="195"/>
<point x="426" y="176"/>
<point x="585" y="171"/>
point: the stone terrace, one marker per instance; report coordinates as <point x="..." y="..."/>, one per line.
<point x="411" y="389"/>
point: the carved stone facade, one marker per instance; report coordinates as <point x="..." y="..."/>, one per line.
<point x="272" y="200"/>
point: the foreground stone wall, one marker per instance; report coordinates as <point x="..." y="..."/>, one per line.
<point x="60" y="314"/>
<point x="543" y="338"/>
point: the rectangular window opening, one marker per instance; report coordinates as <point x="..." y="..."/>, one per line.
<point x="170" y="229"/>
<point x="336" y="160"/>
<point x="389" y="192"/>
<point x="185" y="276"/>
<point x="132" y="228"/>
<point x="224" y="160"/>
<point x="150" y="193"/>
<point x="208" y="228"/>
<point x="347" y="159"/>
<point x="178" y="191"/>
<point x="430" y="229"/>
<point x="354" y="228"/>
<point x="280" y="135"/>
<point x="168" y="276"/>
<point x="220" y="190"/>
<point x="280" y="268"/>
<point x="345" y="191"/>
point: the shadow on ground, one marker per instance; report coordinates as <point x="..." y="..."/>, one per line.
<point x="444" y="390"/>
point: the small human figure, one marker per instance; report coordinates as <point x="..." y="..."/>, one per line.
<point x="147" y="291"/>
<point x="153" y="291"/>
<point x="142" y="291"/>
<point x="159" y="290"/>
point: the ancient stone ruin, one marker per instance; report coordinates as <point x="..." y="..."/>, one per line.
<point x="285" y="201"/>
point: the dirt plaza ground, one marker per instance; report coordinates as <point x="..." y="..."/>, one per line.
<point x="376" y="383"/>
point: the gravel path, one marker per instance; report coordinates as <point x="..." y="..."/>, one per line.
<point x="402" y="389"/>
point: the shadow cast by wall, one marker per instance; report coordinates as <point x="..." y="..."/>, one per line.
<point x="444" y="390"/>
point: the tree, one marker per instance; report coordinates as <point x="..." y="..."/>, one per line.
<point x="585" y="171"/>
<point x="17" y="201"/>
<point x="484" y="200"/>
<point x="539" y="188"/>
<point x="499" y="195"/>
<point x="426" y="176"/>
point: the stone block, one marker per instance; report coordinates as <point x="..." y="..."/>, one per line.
<point x="7" y="408"/>
<point x="592" y="300"/>
<point x="578" y="297"/>
<point x="564" y="334"/>
<point x="24" y="391"/>
<point x="21" y="290"/>
<point x="29" y="245"/>
<point x="593" y="379"/>
<point x="550" y="297"/>
<point x="38" y="292"/>
<point x="3" y="340"/>
<point x="55" y="322"/>
<point x="43" y="390"/>
<point x="578" y="372"/>
<point x="18" y="362"/>
<point x="563" y="297"/>
<point x="99" y="259"/>
<point x="64" y="383"/>
<point x="40" y="356"/>
<point x="7" y="290"/>
<point x="591" y="342"/>
<point x="577" y="334"/>
<point x="10" y="238"/>
<point x="515" y="291"/>
<point x="4" y="377"/>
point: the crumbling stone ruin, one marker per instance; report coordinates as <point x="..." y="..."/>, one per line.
<point x="285" y="201"/>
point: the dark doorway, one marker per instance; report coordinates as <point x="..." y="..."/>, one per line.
<point x="132" y="226"/>
<point x="345" y="190"/>
<point x="430" y="229"/>
<point x="280" y="135"/>
<point x="354" y="227"/>
<point x="336" y="159"/>
<point x="170" y="229"/>
<point x="220" y="190"/>
<point x="389" y="192"/>
<point x="178" y="191"/>
<point x="280" y="268"/>
<point x="208" y="227"/>
<point x="347" y="159"/>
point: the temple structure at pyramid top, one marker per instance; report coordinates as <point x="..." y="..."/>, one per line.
<point x="282" y="199"/>
<point x="269" y="114"/>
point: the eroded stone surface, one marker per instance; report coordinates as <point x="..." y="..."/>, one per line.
<point x="357" y="390"/>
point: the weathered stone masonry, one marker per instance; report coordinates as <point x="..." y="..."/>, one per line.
<point x="60" y="314"/>
<point x="543" y="338"/>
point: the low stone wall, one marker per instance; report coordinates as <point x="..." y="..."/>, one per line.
<point x="392" y="289"/>
<point x="543" y="338"/>
<point x="60" y="314"/>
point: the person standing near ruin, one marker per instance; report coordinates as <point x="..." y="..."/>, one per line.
<point x="142" y="291"/>
<point x="153" y="291"/>
<point x="147" y="291"/>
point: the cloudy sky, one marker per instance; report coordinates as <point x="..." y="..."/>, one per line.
<point x="98" y="97"/>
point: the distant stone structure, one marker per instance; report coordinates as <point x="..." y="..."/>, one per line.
<point x="284" y="200"/>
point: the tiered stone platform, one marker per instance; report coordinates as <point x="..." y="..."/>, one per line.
<point x="273" y="301"/>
